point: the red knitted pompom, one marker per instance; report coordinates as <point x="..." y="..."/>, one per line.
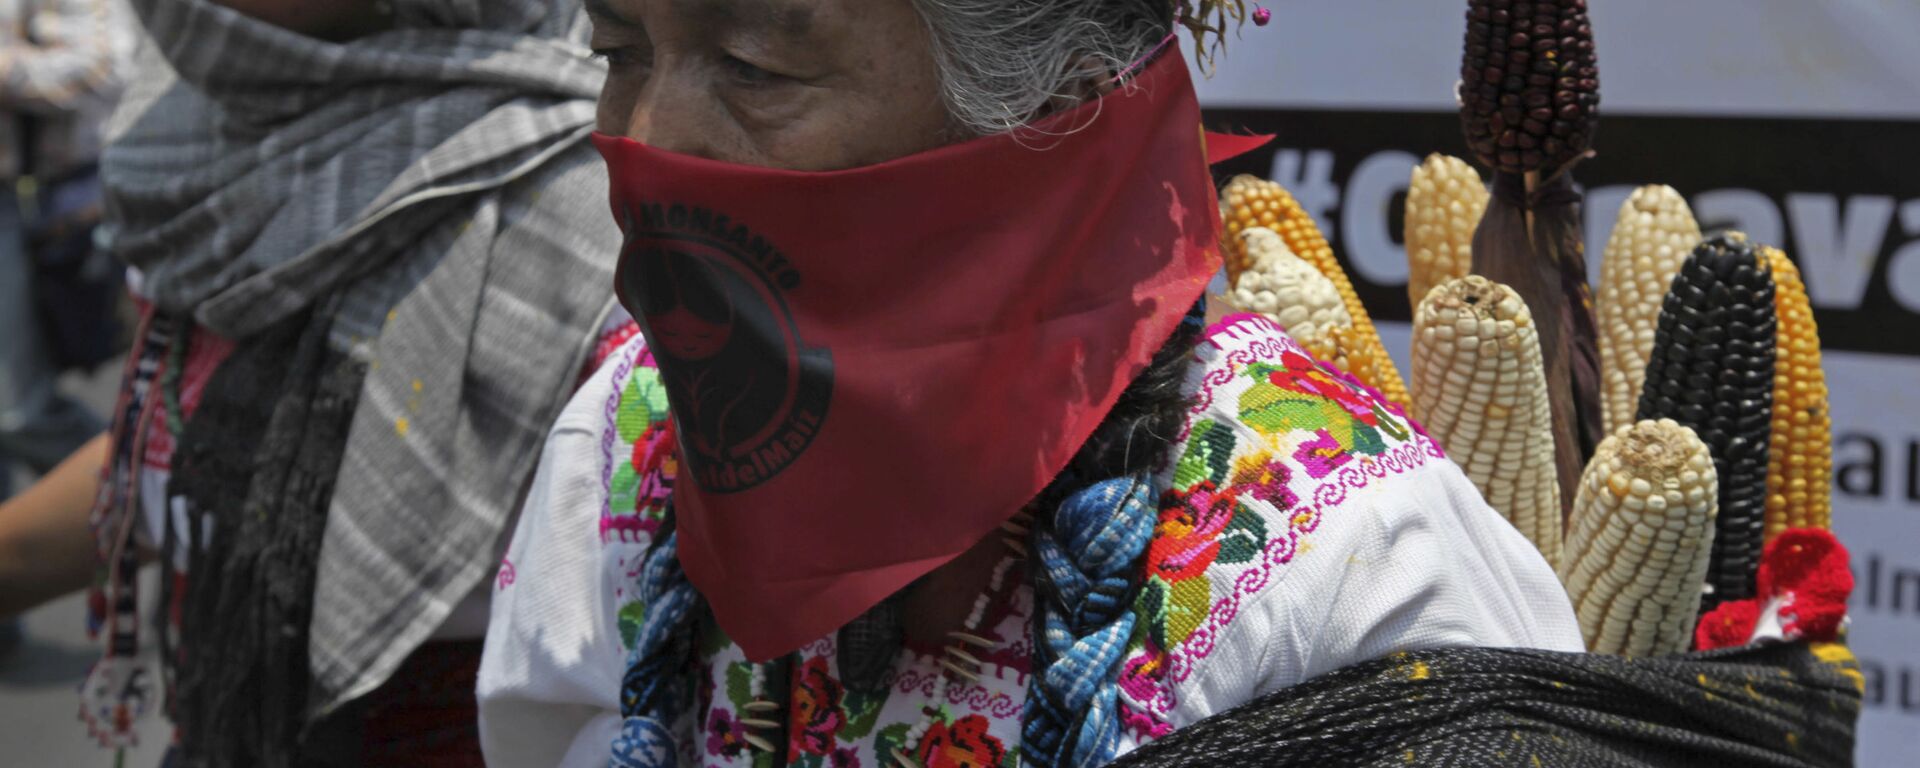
<point x="1728" y="626"/>
<point x="1808" y="562"/>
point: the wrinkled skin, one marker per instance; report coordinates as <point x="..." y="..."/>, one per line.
<point x="807" y="85"/>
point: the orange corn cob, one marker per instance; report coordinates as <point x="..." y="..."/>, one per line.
<point x="1800" y="450"/>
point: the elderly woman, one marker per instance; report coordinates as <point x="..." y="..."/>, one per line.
<point x="366" y="242"/>
<point x="926" y="456"/>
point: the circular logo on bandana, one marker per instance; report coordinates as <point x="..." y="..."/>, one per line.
<point x="748" y="395"/>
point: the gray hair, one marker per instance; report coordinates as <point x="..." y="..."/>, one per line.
<point x="1005" y="63"/>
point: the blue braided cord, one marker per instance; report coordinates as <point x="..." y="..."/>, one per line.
<point x="1088" y="560"/>
<point x="668" y="598"/>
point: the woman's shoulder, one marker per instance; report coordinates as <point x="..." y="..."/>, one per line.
<point x="1289" y="480"/>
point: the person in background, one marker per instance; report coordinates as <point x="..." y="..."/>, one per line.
<point x="368" y="243"/>
<point x="60" y="67"/>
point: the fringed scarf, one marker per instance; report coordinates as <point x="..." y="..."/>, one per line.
<point x="404" y="235"/>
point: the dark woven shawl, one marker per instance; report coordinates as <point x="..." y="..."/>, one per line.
<point x="1769" y="706"/>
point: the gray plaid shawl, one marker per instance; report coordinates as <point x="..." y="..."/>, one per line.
<point x="434" y="179"/>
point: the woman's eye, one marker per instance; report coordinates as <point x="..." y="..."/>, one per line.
<point x="747" y="74"/>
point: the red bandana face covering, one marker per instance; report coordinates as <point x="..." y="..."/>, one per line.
<point x="871" y="369"/>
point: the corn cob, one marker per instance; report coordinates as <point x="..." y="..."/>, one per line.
<point x="1249" y="201"/>
<point x="1287" y="290"/>
<point x="1444" y="204"/>
<point x="1800" y="451"/>
<point x="1712" y="371"/>
<point x="1643" y="527"/>
<point x="1480" y="391"/>
<point x="1529" y="87"/>
<point x="1653" y="234"/>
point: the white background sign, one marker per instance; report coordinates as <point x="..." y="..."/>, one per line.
<point x="1797" y="122"/>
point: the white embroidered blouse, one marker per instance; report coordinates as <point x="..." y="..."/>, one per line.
<point x="1307" y="525"/>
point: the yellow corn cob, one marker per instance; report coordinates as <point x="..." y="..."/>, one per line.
<point x="1800" y="450"/>
<point x="1479" y="388"/>
<point x="1444" y="204"/>
<point x="1254" y="202"/>
<point x="1642" y="535"/>
<point x="1286" y="289"/>
<point x="1652" y="236"/>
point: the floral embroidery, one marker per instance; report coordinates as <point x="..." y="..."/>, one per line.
<point x="726" y="736"/>
<point x="833" y="726"/>
<point x="1321" y="455"/>
<point x="1244" y="493"/>
<point x="817" y="716"/>
<point x="963" y="744"/>
<point x="639" y="486"/>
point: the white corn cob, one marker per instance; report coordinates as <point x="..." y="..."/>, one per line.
<point x="1287" y="289"/>
<point x="1479" y="389"/>
<point x="1642" y="535"/>
<point x="1444" y="204"/>
<point x="1652" y="237"/>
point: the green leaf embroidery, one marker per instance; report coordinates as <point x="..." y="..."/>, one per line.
<point x="1151" y="607"/>
<point x="1012" y="760"/>
<point x="1366" y="440"/>
<point x="863" y="711"/>
<point x="891" y="738"/>
<point x="1244" y="537"/>
<point x="1389" y="424"/>
<point x="739" y="683"/>
<point x="1268" y="409"/>
<point x="654" y="393"/>
<point x="623" y="492"/>
<point x="1187" y="606"/>
<point x="1209" y="454"/>
<point x="634" y="415"/>
<point x="629" y="619"/>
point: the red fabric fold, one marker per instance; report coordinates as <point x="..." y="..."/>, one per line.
<point x="871" y="369"/>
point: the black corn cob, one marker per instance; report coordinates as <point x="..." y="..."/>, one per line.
<point x="1529" y="86"/>
<point x="1712" y="371"/>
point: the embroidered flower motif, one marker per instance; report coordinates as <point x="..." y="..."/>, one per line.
<point x="817" y="715"/>
<point x="1321" y="455"/>
<point x="656" y="461"/>
<point x="1261" y="477"/>
<point x="641" y="485"/>
<point x="964" y="744"/>
<point x="726" y="736"/>
<point x="845" y="757"/>
<point x="1140" y="676"/>
<point x="1307" y="377"/>
<point x="1305" y="398"/>
<point x="1186" y="540"/>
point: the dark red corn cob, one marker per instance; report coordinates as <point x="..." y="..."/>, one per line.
<point x="1529" y="87"/>
<point x="1712" y="370"/>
